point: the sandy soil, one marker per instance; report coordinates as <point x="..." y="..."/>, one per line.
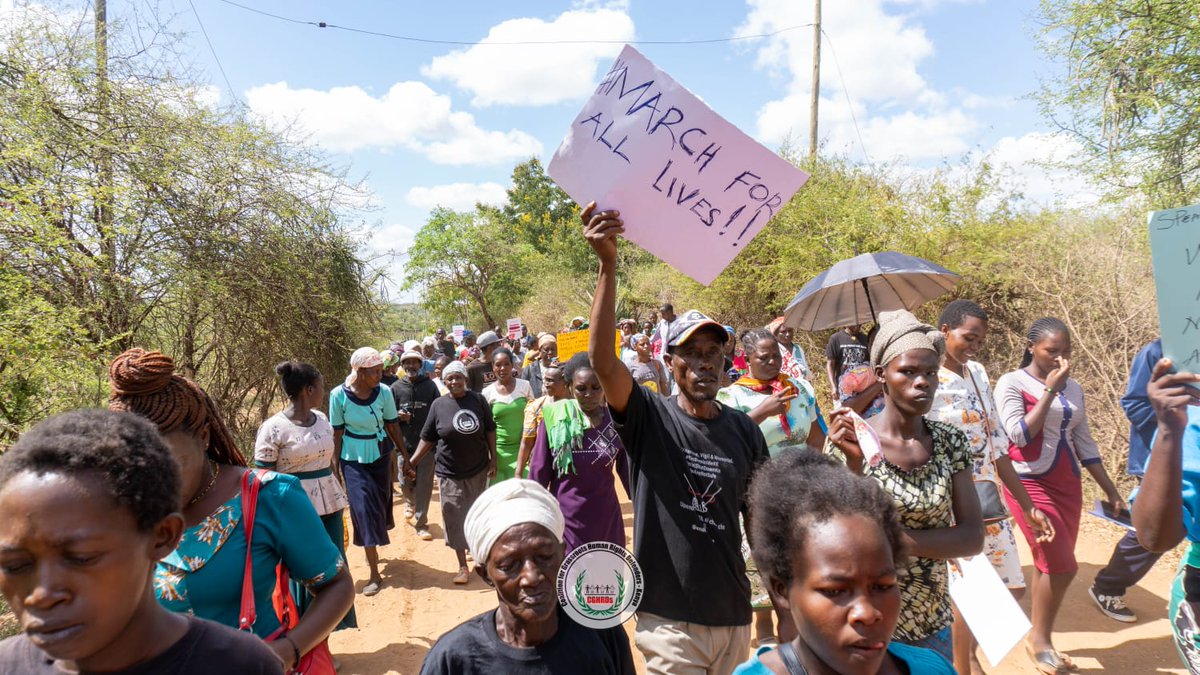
<point x="418" y="604"/>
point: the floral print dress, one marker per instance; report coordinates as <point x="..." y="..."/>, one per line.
<point x="968" y="404"/>
<point x="203" y="576"/>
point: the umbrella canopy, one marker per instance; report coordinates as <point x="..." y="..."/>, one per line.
<point x="854" y="291"/>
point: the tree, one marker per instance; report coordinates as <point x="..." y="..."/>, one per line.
<point x="1128" y="91"/>
<point x="217" y="240"/>
<point x="469" y="257"/>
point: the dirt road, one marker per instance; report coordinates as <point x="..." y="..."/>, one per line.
<point x="418" y="604"/>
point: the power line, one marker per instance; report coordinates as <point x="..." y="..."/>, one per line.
<point x="469" y="43"/>
<point x="846" y="92"/>
<point x="214" y="51"/>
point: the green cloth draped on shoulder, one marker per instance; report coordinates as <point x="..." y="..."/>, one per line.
<point x="565" y="424"/>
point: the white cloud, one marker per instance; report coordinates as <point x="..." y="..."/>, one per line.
<point x="1035" y="165"/>
<point x="896" y="111"/>
<point x="410" y="115"/>
<point x="457" y="196"/>
<point x="536" y="74"/>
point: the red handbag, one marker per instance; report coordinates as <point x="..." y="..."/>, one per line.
<point x="317" y="661"/>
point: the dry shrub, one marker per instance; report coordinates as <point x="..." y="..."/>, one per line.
<point x="1096" y="277"/>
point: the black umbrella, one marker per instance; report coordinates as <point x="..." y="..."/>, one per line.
<point x="853" y="291"/>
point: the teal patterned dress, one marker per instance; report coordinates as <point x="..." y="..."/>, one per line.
<point x="203" y="576"/>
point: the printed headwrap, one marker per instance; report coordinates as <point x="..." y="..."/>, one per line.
<point x="363" y="357"/>
<point x="899" y="332"/>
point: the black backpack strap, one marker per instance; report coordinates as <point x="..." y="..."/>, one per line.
<point x="788" y="653"/>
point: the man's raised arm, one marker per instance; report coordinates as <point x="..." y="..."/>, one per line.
<point x="601" y="229"/>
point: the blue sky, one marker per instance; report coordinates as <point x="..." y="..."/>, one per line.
<point x="928" y="81"/>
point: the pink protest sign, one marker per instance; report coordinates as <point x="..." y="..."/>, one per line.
<point x="692" y="188"/>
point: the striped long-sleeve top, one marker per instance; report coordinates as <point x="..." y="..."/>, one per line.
<point x="1064" y="435"/>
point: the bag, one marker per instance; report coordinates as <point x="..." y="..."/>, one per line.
<point x="318" y="661"/>
<point x="991" y="504"/>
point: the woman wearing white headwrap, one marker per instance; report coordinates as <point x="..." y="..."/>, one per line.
<point x="365" y="429"/>
<point x="461" y="433"/>
<point x="515" y="531"/>
<point x="925" y="466"/>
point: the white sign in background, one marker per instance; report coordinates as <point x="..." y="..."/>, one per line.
<point x="692" y="188"/>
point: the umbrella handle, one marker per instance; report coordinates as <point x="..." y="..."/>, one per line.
<point x="870" y="304"/>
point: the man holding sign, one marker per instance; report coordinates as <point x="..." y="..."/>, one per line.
<point x="690" y="465"/>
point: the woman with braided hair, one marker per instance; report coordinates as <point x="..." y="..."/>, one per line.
<point x="203" y="576"/>
<point x="1043" y="412"/>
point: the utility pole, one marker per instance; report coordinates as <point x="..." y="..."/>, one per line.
<point x="816" y="80"/>
<point x="112" y="306"/>
<point x="104" y="193"/>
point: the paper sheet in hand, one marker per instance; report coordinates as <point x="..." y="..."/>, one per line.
<point x="868" y="440"/>
<point x="1175" y="252"/>
<point x="1100" y="512"/>
<point x="514" y="328"/>
<point x="692" y="188"/>
<point x="987" y="606"/>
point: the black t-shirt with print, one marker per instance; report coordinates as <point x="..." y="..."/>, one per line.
<point x="479" y="375"/>
<point x="689" y="479"/>
<point x="474" y="648"/>
<point x="459" y="426"/>
<point x="847" y="350"/>
<point x="205" y="648"/>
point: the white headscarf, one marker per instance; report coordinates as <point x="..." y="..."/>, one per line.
<point x="363" y="357"/>
<point x="454" y="367"/>
<point x="510" y="502"/>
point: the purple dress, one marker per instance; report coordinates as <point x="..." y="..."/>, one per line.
<point x="588" y="496"/>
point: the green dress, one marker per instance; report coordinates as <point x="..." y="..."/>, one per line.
<point x="509" y="412"/>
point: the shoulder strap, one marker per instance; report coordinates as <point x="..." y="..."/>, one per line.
<point x="250" y="485"/>
<point x="788" y="653"/>
<point x="987" y="422"/>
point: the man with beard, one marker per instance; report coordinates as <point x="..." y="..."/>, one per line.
<point x="413" y="395"/>
<point x="691" y="460"/>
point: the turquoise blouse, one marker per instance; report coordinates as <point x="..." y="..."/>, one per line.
<point x="203" y="576"/>
<point x="361" y="421"/>
<point x="918" y="660"/>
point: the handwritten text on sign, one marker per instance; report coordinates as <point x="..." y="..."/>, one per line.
<point x="691" y="187"/>
<point x="1175" y="249"/>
